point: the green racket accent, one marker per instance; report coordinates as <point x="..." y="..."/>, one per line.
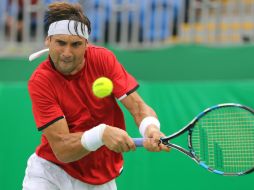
<point x="218" y="156"/>
<point x="203" y="144"/>
<point x="223" y="139"/>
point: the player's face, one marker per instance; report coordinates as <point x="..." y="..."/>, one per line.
<point x="67" y="52"/>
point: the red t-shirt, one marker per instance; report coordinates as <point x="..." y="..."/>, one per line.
<point x="55" y="96"/>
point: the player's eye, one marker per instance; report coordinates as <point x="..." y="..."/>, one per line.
<point x="76" y="44"/>
<point x="61" y="43"/>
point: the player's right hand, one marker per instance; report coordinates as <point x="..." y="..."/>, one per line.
<point x="117" y="140"/>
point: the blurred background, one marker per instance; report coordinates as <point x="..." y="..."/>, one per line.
<point x="186" y="54"/>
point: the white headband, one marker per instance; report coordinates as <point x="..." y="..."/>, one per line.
<point x="68" y="27"/>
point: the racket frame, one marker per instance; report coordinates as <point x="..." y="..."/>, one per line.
<point x="191" y="152"/>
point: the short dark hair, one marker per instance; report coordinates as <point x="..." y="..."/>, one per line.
<point x="65" y="11"/>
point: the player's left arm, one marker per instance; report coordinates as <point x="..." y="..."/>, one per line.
<point x="140" y="110"/>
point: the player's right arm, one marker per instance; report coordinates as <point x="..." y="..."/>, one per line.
<point x="67" y="146"/>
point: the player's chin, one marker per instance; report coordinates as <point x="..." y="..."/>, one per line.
<point x="66" y="69"/>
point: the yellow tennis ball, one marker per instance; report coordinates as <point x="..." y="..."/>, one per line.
<point x="102" y="87"/>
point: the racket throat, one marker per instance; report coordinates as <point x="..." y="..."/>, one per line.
<point x="180" y="149"/>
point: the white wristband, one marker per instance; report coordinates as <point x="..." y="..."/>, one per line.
<point x="150" y="120"/>
<point x="92" y="139"/>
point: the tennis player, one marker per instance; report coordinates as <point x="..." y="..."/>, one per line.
<point x="82" y="136"/>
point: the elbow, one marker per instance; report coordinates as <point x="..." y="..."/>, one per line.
<point x="68" y="158"/>
<point x="62" y="158"/>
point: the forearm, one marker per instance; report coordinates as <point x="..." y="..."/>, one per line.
<point x="69" y="147"/>
<point x="74" y="146"/>
<point x="146" y="120"/>
<point x="144" y="116"/>
<point x="138" y="108"/>
<point x="142" y="112"/>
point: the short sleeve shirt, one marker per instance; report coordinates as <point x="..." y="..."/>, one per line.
<point x="55" y="96"/>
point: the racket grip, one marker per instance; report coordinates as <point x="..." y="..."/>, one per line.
<point x="138" y="142"/>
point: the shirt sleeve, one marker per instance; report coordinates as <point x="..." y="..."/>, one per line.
<point x="124" y="83"/>
<point x="45" y="107"/>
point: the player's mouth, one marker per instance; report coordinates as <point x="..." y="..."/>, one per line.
<point x="67" y="61"/>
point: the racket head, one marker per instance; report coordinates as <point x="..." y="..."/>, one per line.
<point x="221" y="139"/>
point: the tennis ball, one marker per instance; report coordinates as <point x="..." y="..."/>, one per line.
<point x="102" y="87"/>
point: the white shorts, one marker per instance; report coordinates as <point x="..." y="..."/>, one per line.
<point x="44" y="175"/>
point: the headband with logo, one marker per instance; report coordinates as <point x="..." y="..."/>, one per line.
<point x="67" y="27"/>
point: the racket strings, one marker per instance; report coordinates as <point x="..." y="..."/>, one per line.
<point x="224" y="139"/>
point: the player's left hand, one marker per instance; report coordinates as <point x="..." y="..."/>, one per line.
<point x="152" y="140"/>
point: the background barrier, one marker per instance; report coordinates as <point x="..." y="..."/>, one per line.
<point x="128" y="24"/>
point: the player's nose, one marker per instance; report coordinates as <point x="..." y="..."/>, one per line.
<point x="67" y="53"/>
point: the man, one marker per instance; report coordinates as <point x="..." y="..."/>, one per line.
<point x="82" y="136"/>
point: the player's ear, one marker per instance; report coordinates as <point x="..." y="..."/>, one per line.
<point x="86" y="41"/>
<point x="47" y="41"/>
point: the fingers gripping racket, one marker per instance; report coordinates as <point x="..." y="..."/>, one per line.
<point x="220" y="139"/>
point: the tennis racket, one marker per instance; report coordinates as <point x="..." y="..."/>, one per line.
<point x="220" y="139"/>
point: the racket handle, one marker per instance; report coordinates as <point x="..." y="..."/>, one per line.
<point x="138" y="142"/>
